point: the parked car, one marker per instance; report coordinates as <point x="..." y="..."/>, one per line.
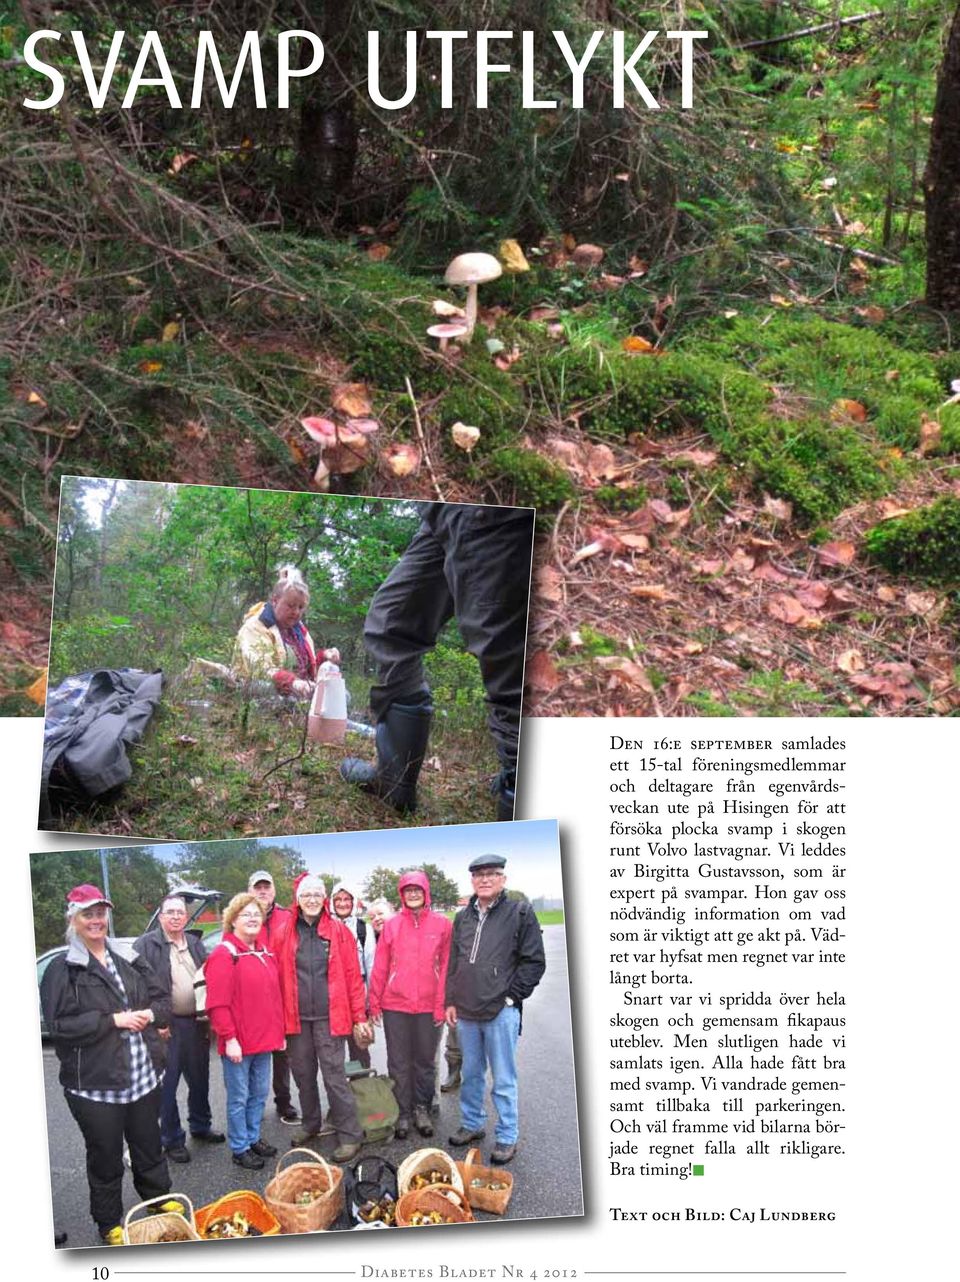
<point x="198" y="901"/>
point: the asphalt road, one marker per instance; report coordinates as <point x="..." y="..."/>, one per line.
<point x="546" y="1169"/>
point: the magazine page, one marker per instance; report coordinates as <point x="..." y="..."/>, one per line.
<point x="765" y="1115"/>
<point x="481" y="518"/>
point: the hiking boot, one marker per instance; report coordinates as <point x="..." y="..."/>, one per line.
<point x="503" y="1154"/>
<point x="453" y="1081"/>
<point x="248" y="1160"/>
<point x="177" y="1153"/>
<point x="288" y="1115"/>
<point x="401" y="737"/>
<point x="263" y="1149"/>
<point x="208" y="1137"/>
<point x="303" y="1137"/>
<point x="172" y="1207"/>
<point x="112" y="1237"/>
<point x="346" y="1152"/>
<point x="465" y="1136"/>
<point x="402" y="1127"/>
<point x="422" y="1120"/>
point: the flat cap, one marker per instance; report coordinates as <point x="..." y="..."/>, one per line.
<point x="487" y="861"/>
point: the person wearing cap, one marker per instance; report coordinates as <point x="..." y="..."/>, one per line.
<point x="496" y="961"/>
<point x="175" y="955"/>
<point x="103" y="1006"/>
<point x="277" y="924"/>
<point x="344" y="904"/>
<point x="246" y="1013"/>
<point x="323" y="1002"/>
<point x="466" y="562"/>
<point x="407" y="992"/>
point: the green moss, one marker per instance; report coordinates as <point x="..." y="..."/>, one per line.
<point x="950" y="436"/>
<point x="615" y="499"/>
<point x="898" y="421"/>
<point x="924" y="544"/>
<point x="485" y="397"/>
<point x="529" y="478"/>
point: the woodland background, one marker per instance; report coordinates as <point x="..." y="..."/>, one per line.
<point x="739" y="422"/>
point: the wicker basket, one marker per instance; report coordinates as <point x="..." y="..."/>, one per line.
<point x="482" y="1199"/>
<point x="427" y="1159"/>
<point x="450" y="1202"/>
<point x="316" y="1175"/>
<point x="166" y="1225"/>
<point x="247" y="1203"/>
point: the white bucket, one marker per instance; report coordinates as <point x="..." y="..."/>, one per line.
<point x="327" y="721"/>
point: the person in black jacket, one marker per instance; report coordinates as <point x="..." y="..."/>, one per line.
<point x="175" y="955"/>
<point x="103" y="1010"/>
<point x="467" y="562"/>
<point x="496" y="961"/>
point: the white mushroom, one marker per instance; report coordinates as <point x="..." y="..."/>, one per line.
<point x="472" y="270"/>
<point x="446" y="331"/>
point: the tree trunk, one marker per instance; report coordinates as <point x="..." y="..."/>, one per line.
<point x="942" y="183"/>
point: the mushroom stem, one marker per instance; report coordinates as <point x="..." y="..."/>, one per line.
<point x="470" y="311"/>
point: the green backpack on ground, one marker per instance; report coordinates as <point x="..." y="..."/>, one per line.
<point x="377" y="1106"/>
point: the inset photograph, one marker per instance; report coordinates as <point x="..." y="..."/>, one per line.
<point x="224" y="662"/>
<point x="285" y="1035"/>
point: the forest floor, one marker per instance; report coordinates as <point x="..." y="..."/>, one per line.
<point x="707" y="487"/>
<point x="206" y="767"/>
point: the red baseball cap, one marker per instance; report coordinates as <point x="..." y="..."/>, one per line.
<point x="85" y="896"/>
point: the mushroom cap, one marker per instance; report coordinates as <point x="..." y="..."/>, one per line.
<point x="449" y="329"/>
<point x="472" y="269"/>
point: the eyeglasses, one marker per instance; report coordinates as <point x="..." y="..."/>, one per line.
<point x="249" y="917"/>
<point x="486" y="874"/>
<point x="311" y="894"/>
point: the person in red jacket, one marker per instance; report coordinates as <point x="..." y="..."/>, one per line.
<point x="245" y="1009"/>
<point x="323" y="1002"/>
<point x="407" y="990"/>
<point x="277" y="923"/>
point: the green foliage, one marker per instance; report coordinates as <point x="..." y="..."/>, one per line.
<point x="226" y="865"/>
<point x="482" y="396"/>
<point x="138" y="881"/>
<point x="615" y="499"/>
<point x="527" y="478"/>
<point x="924" y="544"/>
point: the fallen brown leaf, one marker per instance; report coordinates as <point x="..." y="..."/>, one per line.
<point x="549" y="583"/>
<point x="851" y="661"/>
<point x="379" y="252"/>
<point x="844" y="408"/>
<point x="699" y="458"/>
<point x="36" y="692"/>
<point x="836" y="553"/>
<point x="930" y="433"/>
<point x="542" y="674"/>
<point x="652" y="592"/>
<point x="787" y="609"/>
<point x="626" y="671"/>
<point x="779" y="509"/>
<point x="920" y="602"/>
<point x="886" y="594"/>
<point x="352" y="399"/>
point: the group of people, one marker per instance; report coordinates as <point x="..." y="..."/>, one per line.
<point x="465" y="561"/>
<point x="288" y="992"/>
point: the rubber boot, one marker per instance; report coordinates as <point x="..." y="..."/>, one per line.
<point x="505" y="787"/>
<point x="402" y="736"/>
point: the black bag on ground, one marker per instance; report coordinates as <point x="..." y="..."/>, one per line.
<point x="92" y="718"/>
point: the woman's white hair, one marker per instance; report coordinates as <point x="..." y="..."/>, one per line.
<point x="289" y="579"/>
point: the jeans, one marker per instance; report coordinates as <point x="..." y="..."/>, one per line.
<point x="492" y="1042"/>
<point x="248" y="1084"/>
<point x="188" y="1055"/>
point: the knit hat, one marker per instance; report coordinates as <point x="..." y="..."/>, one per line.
<point x="310" y="882"/>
